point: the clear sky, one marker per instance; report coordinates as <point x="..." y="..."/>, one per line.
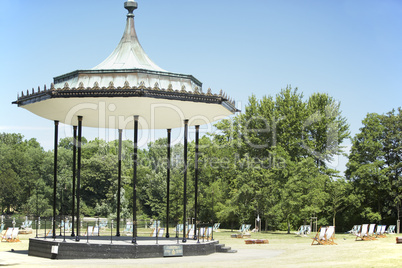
<point x="350" y="49"/>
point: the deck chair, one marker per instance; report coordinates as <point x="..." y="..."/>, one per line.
<point x="307" y="229"/>
<point x="69" y="226"/>
<point x="355" y="229"/>
<point x="24" y="224"/>
<point x="49" y="233"/>
<point x="242" y="227"/>
<point x="90" y="231"/>
<point x="160" y="232"/>
<point x="96" y="231"/>
<point x="371" y="234"/>
<point x="330" y="236"/>
<point x="247" y="228"/>
<point x="179" y="228"/>
<point x="103" y="224"/>
<point x="191" y="231"/>
<point x="216" y="226"/>
<point x="382" y="231"/>
<point x="391" y="229"/>
<point x="378" y="231"/>
<point x="300" y="231"/>
<point x="7" y="234"/>
<point x="208" y="233"/>
<point x="320" y="236"/>
<point x="362" y="233"/>
<point x="202" y="233"/>
<point x="14" y="236"/>
<point x="154" y="232"/>
<point x="2" y="228"/>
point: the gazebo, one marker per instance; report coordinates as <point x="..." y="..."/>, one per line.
<point x="126" y="91"/>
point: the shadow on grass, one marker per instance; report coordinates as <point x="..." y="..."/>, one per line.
<point x="23" y="252"/>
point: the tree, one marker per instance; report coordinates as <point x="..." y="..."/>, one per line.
<point x="374" y="165"/>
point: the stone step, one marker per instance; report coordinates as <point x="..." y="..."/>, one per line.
<point x="222" y="249"/>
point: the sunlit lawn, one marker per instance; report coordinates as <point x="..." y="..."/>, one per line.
<point x="292" y="250"/>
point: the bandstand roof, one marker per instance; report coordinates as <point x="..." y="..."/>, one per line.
<point x="125" y="84"/>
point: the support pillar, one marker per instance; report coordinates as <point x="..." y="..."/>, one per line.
<point x="197" y="135"/>
<point x="169" y="131"/>
<point x="56" y="139"/>
<point x="74" y="166"/>
<point x="185" y="180"/>
<point x="77" y="238"/>
<point x="119" y="185"/>
<point x="134" y="241"/>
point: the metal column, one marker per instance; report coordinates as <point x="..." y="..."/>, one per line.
<point x="197" y="134"/>
<point x="169" y="131"/>
<point x="74" y="166"/>
<point x="56" y="139"/>
<point x="185" y="180"/>
<point x="77" y="238"/>
<point x="119" y="185"/>
<point x="134" y="241"/>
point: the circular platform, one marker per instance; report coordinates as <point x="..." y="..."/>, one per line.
<point x="103" y="247"/>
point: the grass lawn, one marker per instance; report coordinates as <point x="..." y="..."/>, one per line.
<point x="283" y="250"/>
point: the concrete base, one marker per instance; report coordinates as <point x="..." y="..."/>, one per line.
<point x="119" y="248"/>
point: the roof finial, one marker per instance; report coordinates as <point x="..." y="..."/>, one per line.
<point x="130" y="5"/>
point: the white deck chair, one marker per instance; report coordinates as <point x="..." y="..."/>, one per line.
<point x="7" y="234"/>
<point x="154" y="232"/>
<point x="329" y="236"/>
<point x="208" y="234"/>
<point x="300" y="231"/>
<point x="370" y="233"/>
<point x="362" y="234"/>
<point x="96" y="230"/>
<point x="307" y="229"/>
<point x="320" y="236"/>
<point x="378" y="230"/>
<point x="90" y="230"/>
<point x="202" y="232"/>
<point x="14" y="236"/>
<point x="382" y="231"/>
<point x="161" y="231"/>
<point x="191" y="231"/>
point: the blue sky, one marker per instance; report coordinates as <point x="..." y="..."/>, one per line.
<point x="351" y="50"/>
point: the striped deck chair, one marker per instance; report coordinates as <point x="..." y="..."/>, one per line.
<point x="191" y="231"/>
<point x="382" y="231"/>
<point x="371" y="234"/>
<point x="330" y="236"/>
<point x="216" y="226"/>
<point x="378" y="231"/>
<point x="202" y="233"/>
<point x="300" y="231"/>
<point x="391" y="229"/>
<point x="320" y="236"/>
<point x="362" y="233"/>
<point x="208" y="233"/>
